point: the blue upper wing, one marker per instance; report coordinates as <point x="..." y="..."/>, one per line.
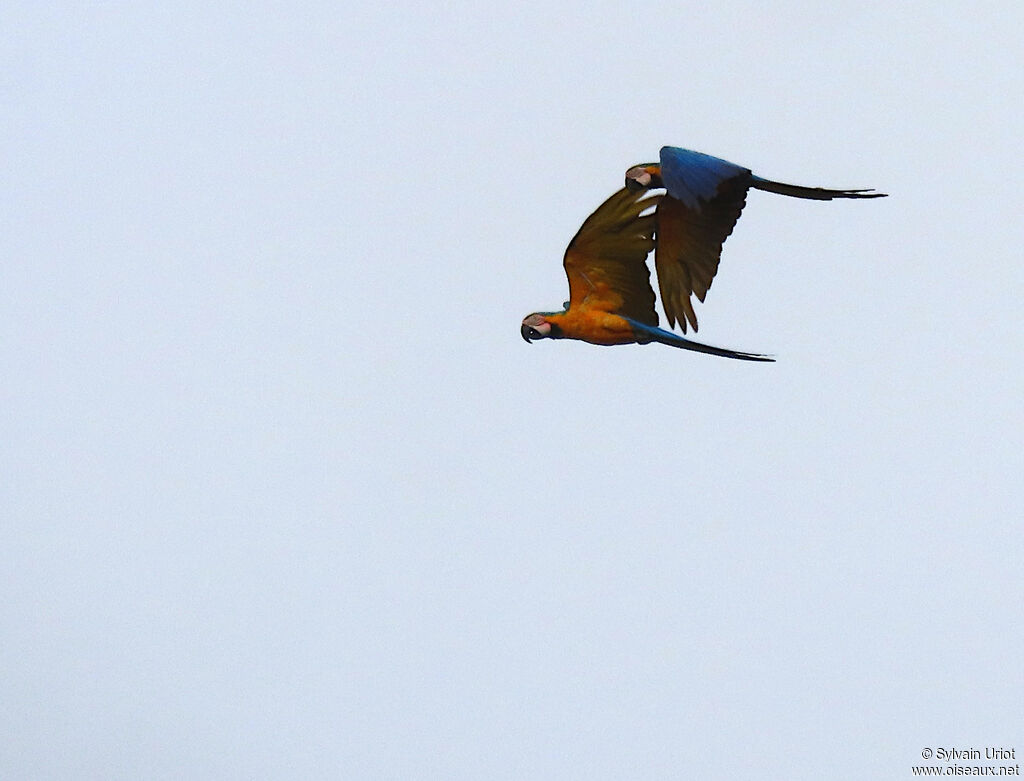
<point x="705" y="197"/>
<point x="693" y="177"/>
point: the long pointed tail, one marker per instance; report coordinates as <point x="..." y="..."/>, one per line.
<point x="662" y="336"/>
<point x="813" y="193"/>
<point x="686" y="344"/>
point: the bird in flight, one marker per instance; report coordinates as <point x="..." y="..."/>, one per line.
<point x="610" y="296"/>
<point x="703" y="198"/>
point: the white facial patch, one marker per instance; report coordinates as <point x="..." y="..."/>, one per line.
<point x="639" y="175"/>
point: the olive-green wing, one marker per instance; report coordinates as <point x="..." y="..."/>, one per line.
<point x="690" y="244"/>
<point x="606" y="260"/>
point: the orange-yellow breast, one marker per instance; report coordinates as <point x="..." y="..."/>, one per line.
<point x="594" y="326"/>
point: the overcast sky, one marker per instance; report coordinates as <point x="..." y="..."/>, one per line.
<point x="284" y="494"/>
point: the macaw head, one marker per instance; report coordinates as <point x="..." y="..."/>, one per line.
<point x="536" y="326"/>
<point x="643" y="177"/>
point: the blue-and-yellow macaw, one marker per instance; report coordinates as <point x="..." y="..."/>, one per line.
<point x="703" y="198"/>
<point x="610" y="296"/>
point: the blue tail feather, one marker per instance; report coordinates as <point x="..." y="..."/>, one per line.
<point x="812" y="193"/>
<point x="649" y="333"/>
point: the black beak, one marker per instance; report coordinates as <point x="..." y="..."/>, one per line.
<point x="525" y="333"/>
<point x="633" y="185"/>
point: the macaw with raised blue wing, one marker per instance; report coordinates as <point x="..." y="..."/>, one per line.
<point x="610" y="296"/>
<point x="703" y="198"/>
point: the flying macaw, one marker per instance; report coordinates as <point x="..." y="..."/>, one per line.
<point x="610" y="296"/>
<point x="703" y="198"/>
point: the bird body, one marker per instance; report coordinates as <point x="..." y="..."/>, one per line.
<point x="595" y="326"/>
<point x="608" y="329"/>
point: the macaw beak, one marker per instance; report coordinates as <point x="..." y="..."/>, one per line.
<point x="524" y="332"/>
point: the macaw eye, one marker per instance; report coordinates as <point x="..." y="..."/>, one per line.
<point x="535" y="334"/>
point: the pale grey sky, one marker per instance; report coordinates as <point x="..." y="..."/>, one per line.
<point x="286" y="496"/>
